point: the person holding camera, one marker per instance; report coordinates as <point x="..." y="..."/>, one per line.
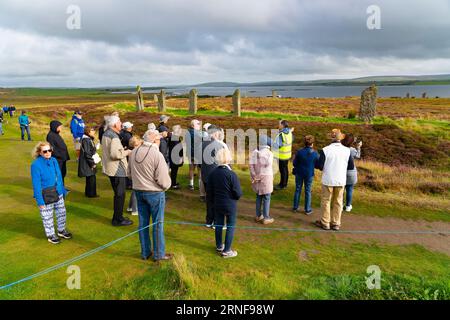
<point x="352" y="175"/>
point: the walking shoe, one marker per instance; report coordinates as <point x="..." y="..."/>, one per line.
<point x="168" y="256"/>
<point x="221" y="248"/>
<point x="319" y="224"/>
<point x="147" y="257"/>
<point x="308" y="213"/>
<point x="268" y="221"/>
<point x="295" y="210"/>
<point x="335" y="228"/>
<point x="175" y="186"/>
<point x="191" y="187"/>
<point x="129" y="210"/>
<point x="229" y="254"/>
<point x="65" y="234"/>
<point x="54" y="239"/>
<point x="223" y="227"/>
<point x="259" y="219"/>
<point x="134" y="213"/>
<point x="123" y="223"/>
<point x="348" y="208"/>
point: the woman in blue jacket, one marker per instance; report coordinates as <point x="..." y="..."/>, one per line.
<point x="304" y="162"/>
<point x="46" y="177"/>
<point x="224" y="190"/>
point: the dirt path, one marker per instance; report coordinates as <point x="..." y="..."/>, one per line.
<point x="285" y="218"/>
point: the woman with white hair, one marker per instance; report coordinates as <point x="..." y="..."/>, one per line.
<point x="224" y="190"/>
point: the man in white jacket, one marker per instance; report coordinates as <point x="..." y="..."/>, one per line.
<point x="334" y="161"/>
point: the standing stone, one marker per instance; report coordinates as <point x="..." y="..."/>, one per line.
<point x="155" y="97"/>
<point x="408" y="95"/>
<point x="139" y="99"/>
<point x="274" y="93"/>
<point x="237" y="103"/>
<point x="193" y="101"/>
<point x="424" y="95"/>
<point x="367" y="108"/>
<point x="162" y="101"/>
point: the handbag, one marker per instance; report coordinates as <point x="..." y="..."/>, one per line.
<point x="50" y="194"/>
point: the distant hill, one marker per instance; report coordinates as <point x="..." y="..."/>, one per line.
<point x="378" y="80"/>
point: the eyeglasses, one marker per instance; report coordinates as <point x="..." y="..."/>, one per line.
<point x="48" y="150"/>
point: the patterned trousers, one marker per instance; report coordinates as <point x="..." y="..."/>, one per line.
<point x="47" y="216"/>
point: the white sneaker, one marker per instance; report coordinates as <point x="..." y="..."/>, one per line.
<point x="134" y="213"/>
<point x="129" y="210"/>
<point x="229" y="254"/>
<point x="348" y="208"/>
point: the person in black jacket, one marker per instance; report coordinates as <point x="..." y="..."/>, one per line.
<point x="86" y="164"/>
<point x="59" y="147"/>
<point x="224" y="190"/>
<point x="175" y="154"/>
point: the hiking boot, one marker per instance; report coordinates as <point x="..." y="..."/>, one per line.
<point x="65" y="234"/>
<point x="229" y="254"/>
<point x="319" y="224"/>
<point x="268" y="221"/>
<point x="259" y="219"/>
<point x="54" y="239"/>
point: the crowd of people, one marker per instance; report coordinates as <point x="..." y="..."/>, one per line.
<point x="148" y="165"/>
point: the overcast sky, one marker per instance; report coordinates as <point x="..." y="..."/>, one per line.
<point x="191" y="41"/>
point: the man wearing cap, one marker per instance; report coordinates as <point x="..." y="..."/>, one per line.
<point x="114" y="162"/>
<point x="150" y="175"/>
<point x="334" y="161"/>
<point x="77" y="130"/>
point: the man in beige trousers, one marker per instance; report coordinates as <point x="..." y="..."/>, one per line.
<point x="334" y="161"/>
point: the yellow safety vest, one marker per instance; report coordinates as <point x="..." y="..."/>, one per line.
<point x="284" y="151"/>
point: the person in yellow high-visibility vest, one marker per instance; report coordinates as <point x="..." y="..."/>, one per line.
<point x="283" y="152"/>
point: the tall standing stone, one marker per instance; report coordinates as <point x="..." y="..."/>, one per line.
<point x="274" y="93"/>
<point x="162" y="101"/>
<point x="193" y="101"/>
<point x="424" y="95"/>
<point x="237" y="103"/>
<point x="408" y="95"/>
<point x="367" y="108"/>
<point x="139" y="99"/>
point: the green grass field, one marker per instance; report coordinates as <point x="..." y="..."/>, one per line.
<point x="271" y="264"/>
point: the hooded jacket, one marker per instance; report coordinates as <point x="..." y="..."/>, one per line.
<point x="77" y="127"/>
<point x="261" y="172"/>
<point x="60" y="151"/>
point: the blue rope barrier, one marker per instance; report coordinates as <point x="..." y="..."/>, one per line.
<point x="93" y="251"/>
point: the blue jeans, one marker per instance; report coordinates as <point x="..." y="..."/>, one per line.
<point x="151" y="204"/>
<point x="22" y="132"/>
<point x="219" y="221"/>
<point x="349" y="194"/>
<point x="1" y="128"/>
<point x="299" y="181"/>
<point x="264" y="201"/>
